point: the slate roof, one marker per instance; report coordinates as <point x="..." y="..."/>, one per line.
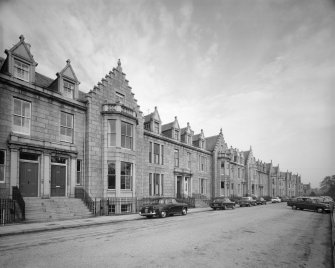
<point x="148" y="117"/>
<point x="42" y="80"/>
<point x="167" y="126"/>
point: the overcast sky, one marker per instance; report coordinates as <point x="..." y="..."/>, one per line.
<point x="263" y="71"/>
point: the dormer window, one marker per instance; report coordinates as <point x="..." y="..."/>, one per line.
<point x="68" y="89"/>
<point x="176" y="134"/>
<point x="156" y="127"/>
<point x="21" y="70"/>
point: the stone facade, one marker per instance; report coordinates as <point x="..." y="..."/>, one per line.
<point x="55" y="139"/>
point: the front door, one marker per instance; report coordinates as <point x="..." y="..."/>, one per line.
<point x="58" y="179"/>
<point x="28" y="179"/>
<point x="179" y="189"/>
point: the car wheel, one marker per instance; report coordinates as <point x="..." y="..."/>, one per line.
<point x="319" y="210"/>
<point x="184" y="211"/>
<point x="249" y="205"/>
<point x="294" y="207"/>
<point x="214" y="208"/>
<point x="162" y="214"/>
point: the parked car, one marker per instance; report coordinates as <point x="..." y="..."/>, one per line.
<point x="260" y="201"/>
<point x="247" y="201"/>
<point x="290" y="201"/>
<point x="163" y="207"/>
<point x="310" y="203"/>
<point x="275" y="200"/>
<point x="222" y="203"/>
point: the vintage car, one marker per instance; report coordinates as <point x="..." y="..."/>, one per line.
<point x="222" y="203"/>
<point x="291" y="201"/>
<point x="310" y="203"/>
<point x="162" y="207"/>
<point x="247" y="201"/>
<point x="275" y="200"/>
<point x="260" y="201"/>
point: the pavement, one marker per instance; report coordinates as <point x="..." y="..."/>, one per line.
<point x="24" y="228"/>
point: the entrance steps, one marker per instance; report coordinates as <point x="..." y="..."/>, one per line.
<point x="55" y="208"/>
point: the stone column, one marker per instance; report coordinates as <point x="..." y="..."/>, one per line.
<point x="46" y="176"/>
<point x="73" y="176"/>
<point x="14" y="167"/>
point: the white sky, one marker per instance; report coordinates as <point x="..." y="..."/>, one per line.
<point x="262" y="70"/>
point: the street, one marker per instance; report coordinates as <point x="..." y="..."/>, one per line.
<point x="271" y="235"/>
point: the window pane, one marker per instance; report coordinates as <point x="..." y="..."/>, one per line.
<point x="26" y="109"/>
<point x="2" y="157"/>
<point x="26" y="123"/>
<point x="17" y="120"/>
<point x="123" y="128"/>
<point x="69" y="119"/>
<point x="111" y="126"/>
<point x="123" y="141"/>
<point x="63" y="119"/>
<point x="2" y="173"/>
<point x="17" y="107"/>
<point x="129" y="130"/>
<point x="111" y="168"/>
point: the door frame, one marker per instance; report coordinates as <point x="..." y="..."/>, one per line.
<point x="38" y="172"/>
<point x="66" y="175"/>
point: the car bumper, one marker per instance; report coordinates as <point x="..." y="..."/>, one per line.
<point x="147" y="213"/>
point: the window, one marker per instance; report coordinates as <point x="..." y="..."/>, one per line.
<point x="2" y="166"/>
<point x="222" y="168"/>
<point x="22" y="116"/>
<point x="222" y="184"/>
<point x="111" y="132"/>
<point x="111" y="209"/>
<point x="156" y="184"/>
<point x="21" y="70"/>
<point x="147" y="126"/>
<point x="126" y="176"/>
<point x="176" y="134"/>
<point x="156" y="127"/>
<point x="111" y="176"/>
<point x="78" y="172"/>
<point x="162" y="154"/>
<point x="66" y="127"/>
<point x="176" y="157"/>
<point x="119" y="97"/>
<point x="189" y="160"/>
<point x="203" y="188"/>
<point x="156" y="153"/>
<point x="68" y="89"/>
<point x="150" y="152"/>
<point x="34" y="157"/>
<point x="126" y="135"/>
<point x="202" y="163"/>
<point x="125" y="208"/>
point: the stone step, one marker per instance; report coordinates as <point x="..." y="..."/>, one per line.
<point x="58" y="208"/>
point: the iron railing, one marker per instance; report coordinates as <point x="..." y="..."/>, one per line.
<point x="89" y="202"/>
<point x="19" y="200"/>
<point x="7" y="211"/>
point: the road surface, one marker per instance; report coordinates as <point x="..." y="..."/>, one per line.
<point x="271" y="235"/>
